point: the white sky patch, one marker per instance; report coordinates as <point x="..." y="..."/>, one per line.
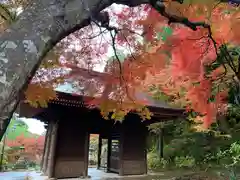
<point x="35" y="126"/>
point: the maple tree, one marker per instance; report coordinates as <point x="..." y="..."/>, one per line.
<point x="22" y="142"/>
<point x="204" y="63"/>
<point x="188" y="76"/>
<point x="162" y="60"/>
<point x="32" y="145"/>
<point x="174" y="62"/>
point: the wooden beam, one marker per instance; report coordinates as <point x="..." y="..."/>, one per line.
<point x="86" y="153"/>
<point x="45" y="162"/>
<point x="52" y="151"/>
<point x="99" y="151"/>
<point x="161" y="142"/>
<point x="28" y="111"/>
<point x="121" y="143"/>
<point x="145" y="130"/>
<point x="109" y="152"/>
<point x="44" y="150"/>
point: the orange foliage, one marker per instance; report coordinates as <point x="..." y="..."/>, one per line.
<point x="32" y="145"/>
<point x="36" y="95"/>
<point x="176" y="66"/>
<point x="191" y="51"/>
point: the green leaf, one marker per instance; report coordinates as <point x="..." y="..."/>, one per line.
<point x="165" y="33"/>
<point x="212" y="99"/>
<point x="160" y="96"/>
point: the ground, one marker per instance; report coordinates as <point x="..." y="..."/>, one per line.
<point x="93" y="172"/>
<point x="101" y="175"/>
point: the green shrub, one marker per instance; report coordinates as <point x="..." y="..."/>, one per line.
<point x="21" y="164"/>
<point x="184" y="147"/>
<point x="156" y="163"/>
<point x="31" y="164"/>
<point x="230" y="157"/>
<point x="184" y="162"/>
<point x="92" y="162"/>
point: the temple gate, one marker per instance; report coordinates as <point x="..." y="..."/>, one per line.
<point x="69" y="124"/>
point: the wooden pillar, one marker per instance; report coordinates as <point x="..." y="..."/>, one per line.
<point x="145" y="169"/>
<point x="133" y="159"/>
<point x="46" y="154"/>
<point x="109" y="152"/>
<point x="161" y="144"/>
<point x="72" y="150"/>
<point x="86" y="154"/>
<point x="121" y="143"/>
<point x="51" y="159"/>
<point x="99" y="151"/>
<point x="44" y="149"/>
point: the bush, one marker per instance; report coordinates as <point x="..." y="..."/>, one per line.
<point x="21" y="164"/>
<point x="31" y="164"/>
<point x="230" y="158"/>
<point x="92" y="162"/>
<point x="154" y="162"/>
<point x="187" y="148"/>
<point x="184" y="162"/>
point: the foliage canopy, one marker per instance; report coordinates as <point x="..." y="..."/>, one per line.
<point x="185" y="51"/>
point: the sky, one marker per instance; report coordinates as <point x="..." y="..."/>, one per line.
<point x="35" y="126"/>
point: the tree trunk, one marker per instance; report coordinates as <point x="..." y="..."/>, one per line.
<point x="2" y="152"/>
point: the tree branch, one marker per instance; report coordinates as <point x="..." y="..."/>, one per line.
<point x="160" y="7"/>
<point x="103" y="18"/>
